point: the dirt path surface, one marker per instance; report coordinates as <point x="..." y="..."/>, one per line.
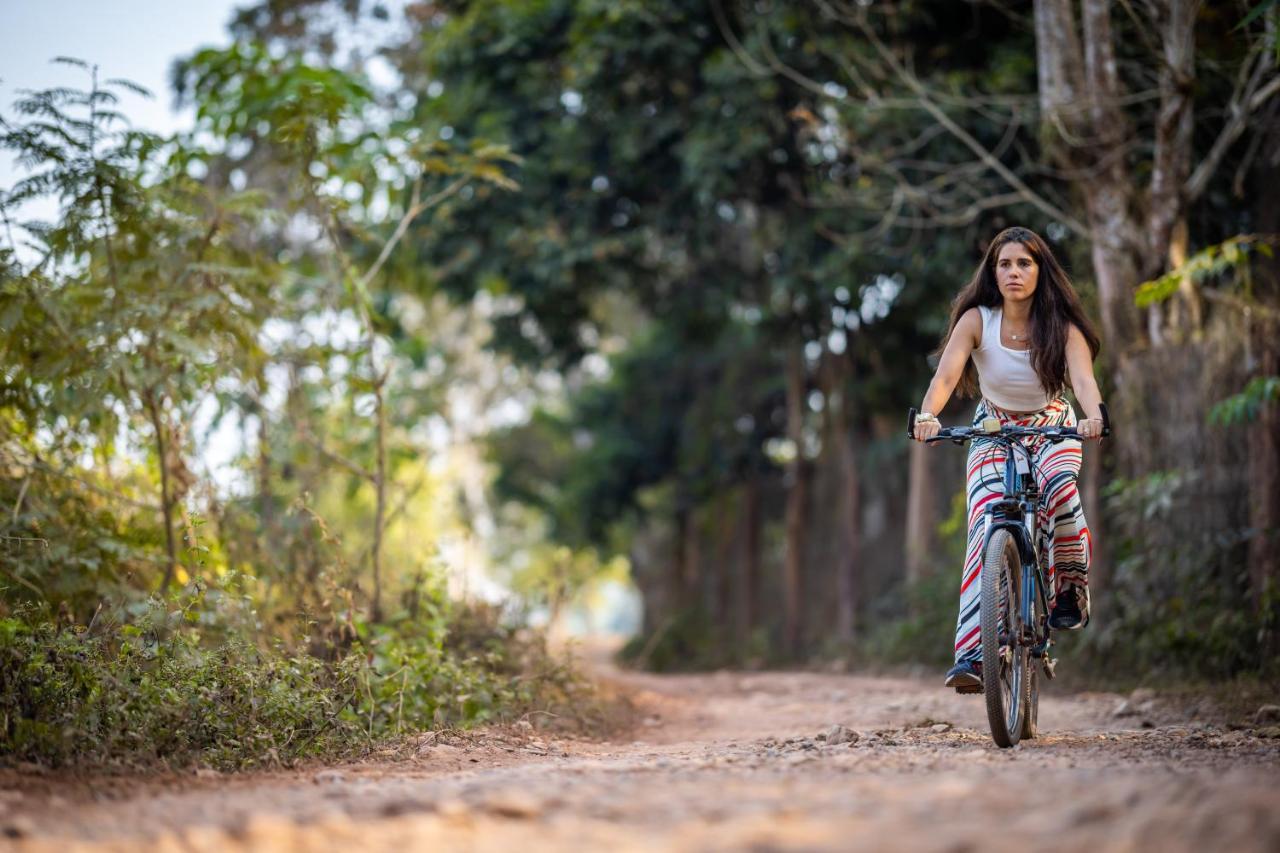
<point x="725" y="761"/>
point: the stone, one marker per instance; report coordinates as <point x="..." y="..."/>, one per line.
<point x="514" y="804"/>
<point x="1267" y="714"/>
<point x="329" y="777"/>
<point x="18" y="826"/>
<point x="398" y="807"/>
<point x="839" y="734"/>
<point x="1125" y="709"/>
<point x="939" y="728"/>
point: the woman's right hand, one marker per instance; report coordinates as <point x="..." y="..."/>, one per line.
<point x="925" y="430"/>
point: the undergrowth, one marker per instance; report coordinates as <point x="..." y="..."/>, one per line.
<point x="149" y="692"/>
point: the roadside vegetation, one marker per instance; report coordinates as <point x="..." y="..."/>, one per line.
<point x="595" y="292"/>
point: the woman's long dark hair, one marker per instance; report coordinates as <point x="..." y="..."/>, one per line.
<point x="1055" y="307"/>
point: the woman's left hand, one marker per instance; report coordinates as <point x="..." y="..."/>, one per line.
<point x="1090" y="428"/>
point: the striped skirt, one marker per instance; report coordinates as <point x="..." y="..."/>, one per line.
<point x="1057" y="468"/>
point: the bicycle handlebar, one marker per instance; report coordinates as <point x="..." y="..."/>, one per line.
<point x="962" y="434"/>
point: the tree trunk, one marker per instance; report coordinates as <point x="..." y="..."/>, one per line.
<point x="265" y="504"/>
<point x="676" y="588"/>
<point x="751" y="555"/>
<point x="692" y="545"/>
<point x="1115" y="266"/>
<point x="922" y="515"/>
<point x="1264" y="435"/>
<point x="1091" y="501"/>
<point x="1264" y="495"/>
<point x="722" y="576"/>
<point x="166" y="492"/>
<point x="847" y="573"/>
<point x="797" y="489"/>
<point x="380" y="490"/>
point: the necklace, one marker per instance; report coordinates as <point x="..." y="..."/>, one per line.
<point x="1025" y="336"/>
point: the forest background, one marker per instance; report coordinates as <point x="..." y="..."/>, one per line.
<point x="589" y="290"/>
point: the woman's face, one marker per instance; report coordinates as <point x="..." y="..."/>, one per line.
<point x="1016" y="272"/>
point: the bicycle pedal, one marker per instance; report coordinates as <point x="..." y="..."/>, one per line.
<point x="969" y="689"/>
<point x="1049" y="666"/>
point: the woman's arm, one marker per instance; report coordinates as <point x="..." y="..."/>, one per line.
<point x="1080" y="371"/>
<point x="963" y="339"/>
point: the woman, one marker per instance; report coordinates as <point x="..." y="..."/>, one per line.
<point x="1017" y="334"/>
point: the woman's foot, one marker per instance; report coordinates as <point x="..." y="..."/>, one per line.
<point x="965" y="677"/>
<point x="1066" y="611"/>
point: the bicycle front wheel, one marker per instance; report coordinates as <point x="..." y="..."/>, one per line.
<point x="1033" y="615"/>
<point x="1005" y="658"/>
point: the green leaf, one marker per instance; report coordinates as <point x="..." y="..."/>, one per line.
<point x="1248" y="404"/>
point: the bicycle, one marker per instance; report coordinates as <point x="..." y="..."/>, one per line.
<point x="1016" y="549"/>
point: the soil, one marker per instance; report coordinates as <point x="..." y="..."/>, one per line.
<point x="760" y="761"/>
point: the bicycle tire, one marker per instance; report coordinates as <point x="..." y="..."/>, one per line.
<point x="1004" y="665"/>
<point x="1031" y="695"/>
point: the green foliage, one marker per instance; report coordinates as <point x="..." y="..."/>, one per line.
<point x="924" y="635"/>
<point x="690" y="641"/>
<point x="163" y="287"/>
<point x="140" y="694"/>
<point x="1229" y="256"/>
<point x="1176" y="603"/>
<point x="1247" y="405"/>
<point x="915" y="623"/>
<point x="160" y="689"/>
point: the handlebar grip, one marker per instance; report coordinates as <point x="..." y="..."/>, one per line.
<point x="911" y="423"/>
<point x="1106" y="419"/>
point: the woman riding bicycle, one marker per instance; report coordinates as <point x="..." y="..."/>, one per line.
<point x="1017" y="333"/>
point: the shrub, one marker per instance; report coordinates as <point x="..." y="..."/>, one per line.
<point x="147" y="691"/>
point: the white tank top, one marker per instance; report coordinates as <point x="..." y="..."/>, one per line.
<point x="1005" y="376"/>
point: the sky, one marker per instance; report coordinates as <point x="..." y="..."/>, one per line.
<point x="134" y="39"/>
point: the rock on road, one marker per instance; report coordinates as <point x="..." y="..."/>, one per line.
<point x="762" y="761"/>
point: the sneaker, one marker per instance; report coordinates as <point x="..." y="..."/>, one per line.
<point x="965" y="677"/>
<point x="1066" y="611"/>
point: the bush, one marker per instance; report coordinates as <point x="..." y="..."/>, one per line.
<point x="69" y="696"/>
<point x="147" y="691"/>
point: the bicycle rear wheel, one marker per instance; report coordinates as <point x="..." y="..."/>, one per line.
<point x="1004" y="657"/>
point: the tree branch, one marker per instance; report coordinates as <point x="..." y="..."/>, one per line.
<point x="67" y="475"/>
<point x="1017" y="184"/>
<point x="416" y="208"/>
<point x="1249" y="96"/>
<point x="332" y="456"/>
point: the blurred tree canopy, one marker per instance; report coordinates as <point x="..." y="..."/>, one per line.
<point x="705" y="248"/>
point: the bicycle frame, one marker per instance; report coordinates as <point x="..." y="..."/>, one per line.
<point x="1018" y="511"/>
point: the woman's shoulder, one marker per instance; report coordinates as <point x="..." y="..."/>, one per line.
<point x="972" y="322"/>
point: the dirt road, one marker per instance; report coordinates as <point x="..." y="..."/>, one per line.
<point x="727" y="761"/>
